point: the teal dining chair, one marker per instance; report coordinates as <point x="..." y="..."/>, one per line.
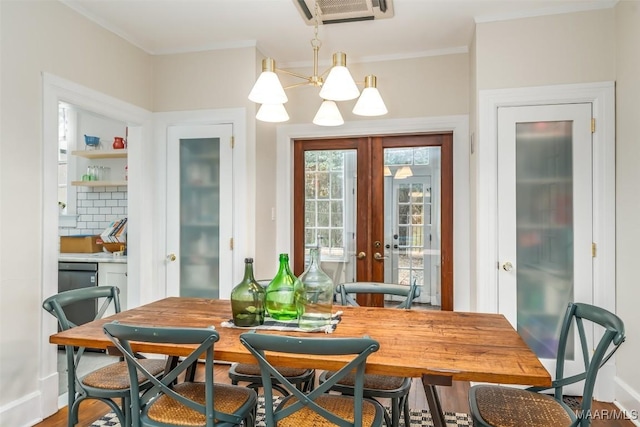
<point x="317" y="407"/>
<point x="498" y="406"/>
<point x="379" y="386"/>
<point x="170" y="402"/>
<point x="108" y="384"/>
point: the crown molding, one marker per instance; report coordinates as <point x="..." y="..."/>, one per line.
<point x="556" y="10"/>
<point x="382" y="58"/>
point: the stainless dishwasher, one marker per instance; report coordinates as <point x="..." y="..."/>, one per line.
<point x="76" y="275"/>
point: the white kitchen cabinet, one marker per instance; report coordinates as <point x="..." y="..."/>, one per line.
<point x="114" y="274"/>
<point x="200" y="211"/>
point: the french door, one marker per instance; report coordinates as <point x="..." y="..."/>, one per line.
<point x="381" y="210"/>
<point x="545" y="218"/>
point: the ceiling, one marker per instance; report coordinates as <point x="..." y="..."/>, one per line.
<point x="418" y="27"/>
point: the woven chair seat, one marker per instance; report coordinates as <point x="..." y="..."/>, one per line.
<point x="372" y="381"/>
<point x="116" y="375"/>
<point x="338" y="404"/>
<point x="228" y="399"/>
<point x="512" y="407"/>
<point x="253" y="369"/>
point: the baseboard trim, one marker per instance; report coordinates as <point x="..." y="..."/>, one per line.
<point x="21" y="412"/>
<point x="49" y="387"/>
<point x="628" y="400"/>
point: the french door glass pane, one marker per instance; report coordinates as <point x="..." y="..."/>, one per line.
<point x="199" y="217"/>
<point x="544" y="232"/>
<point x="330" y="206"/>
<point x="412" y="219"/>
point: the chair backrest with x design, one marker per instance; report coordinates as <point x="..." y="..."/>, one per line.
<point x="612" y="337"/>
<point x="298" y="400"/>
<point x="347" y="290"/>
<point x="97" y="385"/>
<point x="492" y="405"/>
<point x="168" y="397"/>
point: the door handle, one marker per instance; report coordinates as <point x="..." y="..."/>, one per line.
<point x="507" y="266"/>
<point x="362" y="255"/>
<point x="171" y="257"/>
<point x="377" y="256"/>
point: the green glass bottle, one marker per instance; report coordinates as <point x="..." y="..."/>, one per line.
<point x="247" y="299"/>
<point x="281" y="292"/>
<point x="315" y="300"/>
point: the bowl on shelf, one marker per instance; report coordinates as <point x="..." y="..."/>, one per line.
<point x="113" y="247"/>
<point x="91" y="141"/>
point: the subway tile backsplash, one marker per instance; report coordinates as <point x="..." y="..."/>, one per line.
<point x="96" y="207"/>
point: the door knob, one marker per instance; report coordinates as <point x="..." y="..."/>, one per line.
<point x="507" y="266"/>
<point x="362" y="255"/>
<point x="171" y="257"/>
<point x="378" y="256"/>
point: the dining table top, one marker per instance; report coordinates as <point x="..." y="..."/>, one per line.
<point x="460" y="346"/>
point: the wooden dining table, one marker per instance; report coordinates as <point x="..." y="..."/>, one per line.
<point x="437" y="346"/>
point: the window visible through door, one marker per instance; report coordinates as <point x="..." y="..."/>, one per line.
<point x="64" y="129"/>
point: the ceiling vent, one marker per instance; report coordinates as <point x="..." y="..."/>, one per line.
<point x="336" y="11"/>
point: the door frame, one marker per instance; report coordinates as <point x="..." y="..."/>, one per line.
<point x="54" y="90"/>
<point x="243" y="176"/>
<point x="602" y="96"/>
<point x="459" y="125"/>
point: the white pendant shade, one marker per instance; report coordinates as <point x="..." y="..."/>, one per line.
<point x="339" y="85"/>
<point x="273" y="113"/>
<point x="268" y="90"/>
<point x="370" y="102"/>
<point x="403" y="172"/>
<point x="387" y="171"/>
<point x="328" y="115"/>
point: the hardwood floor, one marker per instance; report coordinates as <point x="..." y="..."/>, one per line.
<point x="453" y="399"/>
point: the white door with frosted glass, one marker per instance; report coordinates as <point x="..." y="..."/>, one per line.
<point x="199" y="211"/>
<point x="545" y="222"/>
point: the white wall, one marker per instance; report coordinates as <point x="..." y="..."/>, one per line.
<point x="36" y="37"/>
<point x="627" y="33"/>
<point x="546" y="50"/>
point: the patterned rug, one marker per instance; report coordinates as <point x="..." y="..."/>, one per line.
<point x="419" y="418"/>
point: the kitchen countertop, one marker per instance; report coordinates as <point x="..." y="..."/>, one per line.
<point x="95" y="257"/>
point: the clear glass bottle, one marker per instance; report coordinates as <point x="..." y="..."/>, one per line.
<point x="247" y="299"/>
<point x="315" y="300"/>
<point x="281" y="291"/>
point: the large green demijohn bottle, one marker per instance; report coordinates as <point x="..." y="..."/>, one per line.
<point x="315" y="300"/>
<point x="247" y="299"/>
<point x="281" y="292"/>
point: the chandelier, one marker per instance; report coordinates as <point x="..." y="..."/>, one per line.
<point x="338" y="85"/>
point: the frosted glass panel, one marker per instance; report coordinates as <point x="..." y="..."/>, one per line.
<point x="199" y="217"/>
<point x="544" y="214"/>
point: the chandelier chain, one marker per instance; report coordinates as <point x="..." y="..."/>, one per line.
<point x="315" y="42"/>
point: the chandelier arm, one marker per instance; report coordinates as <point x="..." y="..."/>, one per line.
<point x="291" y="73"/>
<point x="326" y="72"/>
<point x="298" y="85"/>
